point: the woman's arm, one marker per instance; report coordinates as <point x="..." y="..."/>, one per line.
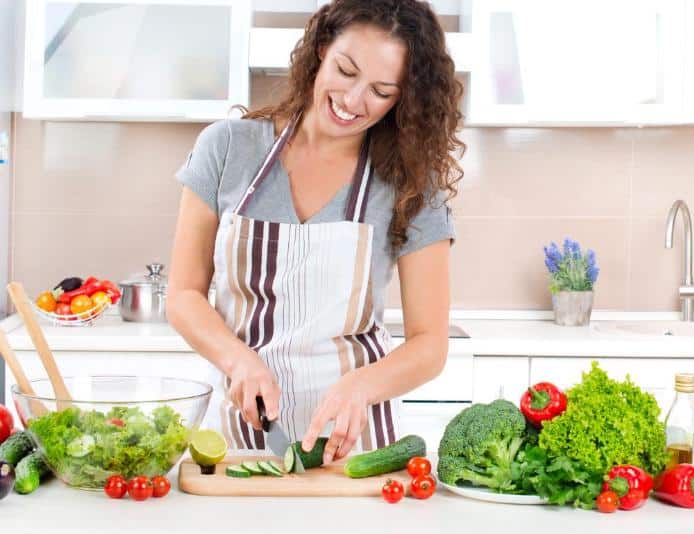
<point x="424" y="287"/>
<point x="425" y="295"/>
<point x="190" y="313"/>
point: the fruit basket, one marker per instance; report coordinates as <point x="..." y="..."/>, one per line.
<point x="76" y="302"/>
<point x="73" y="319"/>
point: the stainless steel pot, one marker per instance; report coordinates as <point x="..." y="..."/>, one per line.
<point x="144" y="296"/>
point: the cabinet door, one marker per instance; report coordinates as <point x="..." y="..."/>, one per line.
<point x="136" y="59"/>
<point x="567" y="62"/>
<point x="428" y="420"/>
<point x="655" y="375"/>
<point x="499" y="377"/>
<point x="453" y="384"/>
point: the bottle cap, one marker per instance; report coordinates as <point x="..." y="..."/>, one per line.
<point x="684" y="382"/>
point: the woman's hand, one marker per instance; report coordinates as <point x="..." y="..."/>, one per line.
<point x="250" y="377"/>
<point x="346" y="404"/>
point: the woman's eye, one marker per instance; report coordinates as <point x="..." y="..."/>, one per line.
<point x="381" y="94"/>
<point x="348" y="74"/>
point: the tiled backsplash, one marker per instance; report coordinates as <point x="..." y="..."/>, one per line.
<point x="101" y="198"/>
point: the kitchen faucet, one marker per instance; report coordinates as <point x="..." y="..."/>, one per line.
<point x="686" y="292"/>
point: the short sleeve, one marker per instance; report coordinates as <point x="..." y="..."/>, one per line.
<point x="204" y="166"/>
<point x="432" y="224"/>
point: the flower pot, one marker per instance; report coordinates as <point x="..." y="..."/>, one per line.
<point x="572" y="308"/>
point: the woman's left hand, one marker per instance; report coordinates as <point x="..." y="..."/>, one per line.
<point x="346" y="404"/>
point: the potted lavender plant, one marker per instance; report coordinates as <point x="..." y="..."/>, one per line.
<point x="572" y="276"/>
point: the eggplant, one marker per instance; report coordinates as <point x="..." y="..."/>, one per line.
<point x="6" y="478"/>
<point x="70" y="284"/>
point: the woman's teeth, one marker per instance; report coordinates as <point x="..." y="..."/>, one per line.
<point x="341" y="112"/>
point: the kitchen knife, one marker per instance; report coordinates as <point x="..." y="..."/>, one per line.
<point x="276" y="436"/>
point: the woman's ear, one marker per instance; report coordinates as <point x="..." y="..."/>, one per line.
<point x="321" y="52"/>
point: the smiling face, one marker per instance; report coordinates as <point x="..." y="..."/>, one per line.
<point x="359" y="80"/>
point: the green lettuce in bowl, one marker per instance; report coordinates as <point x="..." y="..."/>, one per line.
<point x="90" y="440"/>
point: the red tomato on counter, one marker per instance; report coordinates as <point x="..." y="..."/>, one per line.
<point x="161" y="486"/>
<point x="140" y="488"/>
<point x="6" y="423"/>
<point x="116" y="487"/>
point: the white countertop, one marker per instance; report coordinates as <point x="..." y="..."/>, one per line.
<point x="533" y="335"/>
<point x="60" y="510"/>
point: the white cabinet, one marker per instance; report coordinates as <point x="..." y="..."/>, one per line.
<point x="498" y="377"/>
<point x="428" y="420"/>
<point x="136" y="59"/>
<point x="689" y="64"/>
<point x="565" y="62"/>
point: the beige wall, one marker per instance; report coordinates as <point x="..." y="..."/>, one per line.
<point x="100" y="198"/>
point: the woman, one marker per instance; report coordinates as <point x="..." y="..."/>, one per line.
<point x="302" y="211"/>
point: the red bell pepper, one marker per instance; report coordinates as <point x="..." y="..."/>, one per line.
<point x="84" y="289"/>
<point x="91" y="286"/>
<point x="676" y="485"/>
<point x="631" y="484"/>
<point x="542" y="402"/>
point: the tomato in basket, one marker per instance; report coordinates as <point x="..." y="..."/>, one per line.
<point x="63" y="308"/>
<point x="81" y="304"/>
<point x="46" y="301"/>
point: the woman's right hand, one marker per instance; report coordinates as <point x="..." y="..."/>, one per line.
<point x="250" y="378"/>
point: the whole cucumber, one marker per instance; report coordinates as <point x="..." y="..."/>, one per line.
<point x="394" y="457"/>
<point x="16" y="447"/>
<point x="29" y="472"/>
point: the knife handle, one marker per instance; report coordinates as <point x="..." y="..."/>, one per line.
<point x="264" y="422"/>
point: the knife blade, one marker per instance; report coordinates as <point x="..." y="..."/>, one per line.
<point x="277" y="438"/>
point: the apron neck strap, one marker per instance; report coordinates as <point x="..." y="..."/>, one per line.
<point x="269" y="161"/>
<point x="361" y="180"/>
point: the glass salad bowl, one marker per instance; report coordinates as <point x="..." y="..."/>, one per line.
<point x="125" y="425"/>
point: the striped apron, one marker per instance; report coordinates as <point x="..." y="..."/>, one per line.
<point x="300" y="296"/>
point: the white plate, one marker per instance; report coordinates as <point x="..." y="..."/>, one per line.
<point x="484" y="494"/>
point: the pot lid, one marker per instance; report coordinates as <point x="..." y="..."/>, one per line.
<point x="154" y="277"/>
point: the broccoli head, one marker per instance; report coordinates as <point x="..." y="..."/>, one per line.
<point x="480" y="444"/>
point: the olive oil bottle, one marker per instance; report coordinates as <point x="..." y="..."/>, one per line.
<point x="679" y="422"/>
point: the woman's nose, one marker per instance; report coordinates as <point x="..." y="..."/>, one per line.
<point x="354" y="99"/>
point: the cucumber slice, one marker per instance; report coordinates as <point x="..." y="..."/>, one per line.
<point x="269" y="469"/>
<point x="237" y="471"/>
<point x="277" y="466"/>
<point x="289" y="459"/>
<point x="252" y="468"/>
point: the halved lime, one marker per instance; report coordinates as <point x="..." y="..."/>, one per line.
<point x="207" y="447"/>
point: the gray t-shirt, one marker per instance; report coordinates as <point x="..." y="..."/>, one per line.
<point x="226" y="157"/>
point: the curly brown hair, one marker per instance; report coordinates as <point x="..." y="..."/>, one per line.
<point x="411" y="147"/>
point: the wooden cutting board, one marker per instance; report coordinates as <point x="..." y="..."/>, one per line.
<point x="328" y="481"/>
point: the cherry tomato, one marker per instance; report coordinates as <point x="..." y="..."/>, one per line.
<point x="46" y="301"/>
<point x="6" y="423"/>
<point x="116" y="422"/>
<point x="81" y="304"/>
<point x="418" y="466"/>
<point x="62" y="308"/>
<point x="607" y="502"/>
<point x="116" y="487"/>
<point x="392" y="491"/>
<point x="140" y="488"/>
<point x="423" y="486"/>
<point x="161" y="486"/>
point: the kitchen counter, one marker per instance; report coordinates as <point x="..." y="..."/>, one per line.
<point x="57" y="509"/>
<point x="488" y="335"/>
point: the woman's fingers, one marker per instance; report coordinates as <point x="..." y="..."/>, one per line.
<point x="249" y="406"/>
<point x="356" y="425"/>
<point x="270" y="392"/>
<point x="338" y="435"/>
<point x="318" y="422"/>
